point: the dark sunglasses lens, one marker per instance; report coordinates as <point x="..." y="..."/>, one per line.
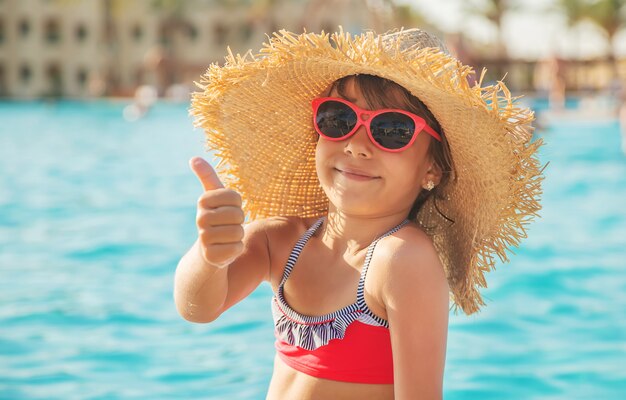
<point x="392" y="130"/>
<point x="335" y="119"/>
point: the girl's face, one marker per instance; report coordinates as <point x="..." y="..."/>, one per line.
<point x="362" y="180"/>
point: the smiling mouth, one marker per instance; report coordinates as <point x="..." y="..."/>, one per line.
<point x="354" y="175"/>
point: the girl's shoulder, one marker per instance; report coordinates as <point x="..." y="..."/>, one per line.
<point x="408" y="256"/>
<point x="410" y="238"/>
<point x="408" y="248"/>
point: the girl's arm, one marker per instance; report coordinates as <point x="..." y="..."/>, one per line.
<point x="416" y="296"/>
<point x="228" y="261"/>
<point x="202" y="292"/>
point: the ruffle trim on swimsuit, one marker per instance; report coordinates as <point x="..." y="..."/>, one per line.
<point x="312" y="332"/>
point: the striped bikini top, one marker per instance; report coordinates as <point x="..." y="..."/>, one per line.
<point x="351" y="344"/>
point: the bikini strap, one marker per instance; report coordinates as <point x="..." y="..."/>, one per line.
<point x="360" y="297"/>
<point x="297" y="249"/>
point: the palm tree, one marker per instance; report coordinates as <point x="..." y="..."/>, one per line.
<point x="407" y="16"/>
<point x="378" y="13"/>
<point x="610" y="16"/>
<point x="575" y="11"/>
<point x="494" y="11"/>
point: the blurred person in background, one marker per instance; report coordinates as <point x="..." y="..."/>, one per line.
<point x="556" y="83"/>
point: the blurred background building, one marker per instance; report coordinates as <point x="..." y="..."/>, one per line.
<point x="107" y="47"/>
<point x="93" y="48"/>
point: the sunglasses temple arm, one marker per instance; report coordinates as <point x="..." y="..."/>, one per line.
<point x="432" y="132"/>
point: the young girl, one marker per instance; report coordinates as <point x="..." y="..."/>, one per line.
<point x="378" y="182"/>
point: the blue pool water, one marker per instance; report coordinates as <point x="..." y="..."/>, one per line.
<point x="95" y="213"/>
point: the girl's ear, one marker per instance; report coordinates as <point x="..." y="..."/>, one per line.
<point x="433" y="174"/>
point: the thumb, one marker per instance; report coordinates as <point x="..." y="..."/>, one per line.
<point x="205" y="173"/>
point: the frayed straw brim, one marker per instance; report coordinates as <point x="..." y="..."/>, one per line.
<point x="256" y="113"/>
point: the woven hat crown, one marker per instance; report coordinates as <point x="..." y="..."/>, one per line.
<point x="412" y="39"/>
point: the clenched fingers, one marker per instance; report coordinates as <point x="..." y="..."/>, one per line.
<point x="219" y="197"/>
<point x="221" y="234"/>
<point x="226" y="215"/>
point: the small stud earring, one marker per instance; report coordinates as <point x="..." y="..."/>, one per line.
<point x="430" y="185"/>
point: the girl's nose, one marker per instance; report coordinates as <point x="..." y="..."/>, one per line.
<point x="359" y="144"/>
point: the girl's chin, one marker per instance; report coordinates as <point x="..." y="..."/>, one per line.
<point x="356" y="208"/>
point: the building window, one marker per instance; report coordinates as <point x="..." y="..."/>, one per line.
<point x="192" y="32"/>
<point x="220" y="33"/>
<point x="55" y="80"/>
<point x="52" y="31"/>
<point x="24" y="28"/>
<point x="3" y="82"/>
<point x="164" y="37"/>
<point x="246" y="32"/>
<point x="25" y="74"/>
<point x="81" y="32"/>
<point x="137" y="32"/>
<point x="81" y="77"/>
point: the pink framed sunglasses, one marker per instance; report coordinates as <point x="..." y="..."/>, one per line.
<point x="389" y="129"/>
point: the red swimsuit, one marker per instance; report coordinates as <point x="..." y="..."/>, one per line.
<point x="349" y="345"/>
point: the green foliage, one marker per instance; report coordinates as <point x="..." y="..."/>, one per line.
<point x="492" y="10"/>
<point x="574" y="10"/>
<point x="608" y="14"/>
<point x="407" y="16"/>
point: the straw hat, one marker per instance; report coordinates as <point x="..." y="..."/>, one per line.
<point x="257" y="116"/>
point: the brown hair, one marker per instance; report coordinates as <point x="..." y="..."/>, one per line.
<point x="379" y="93"/>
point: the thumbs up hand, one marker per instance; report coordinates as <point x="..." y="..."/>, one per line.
<point x="219" y="218"/>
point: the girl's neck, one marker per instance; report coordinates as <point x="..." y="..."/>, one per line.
<point x="350" y="234"/>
